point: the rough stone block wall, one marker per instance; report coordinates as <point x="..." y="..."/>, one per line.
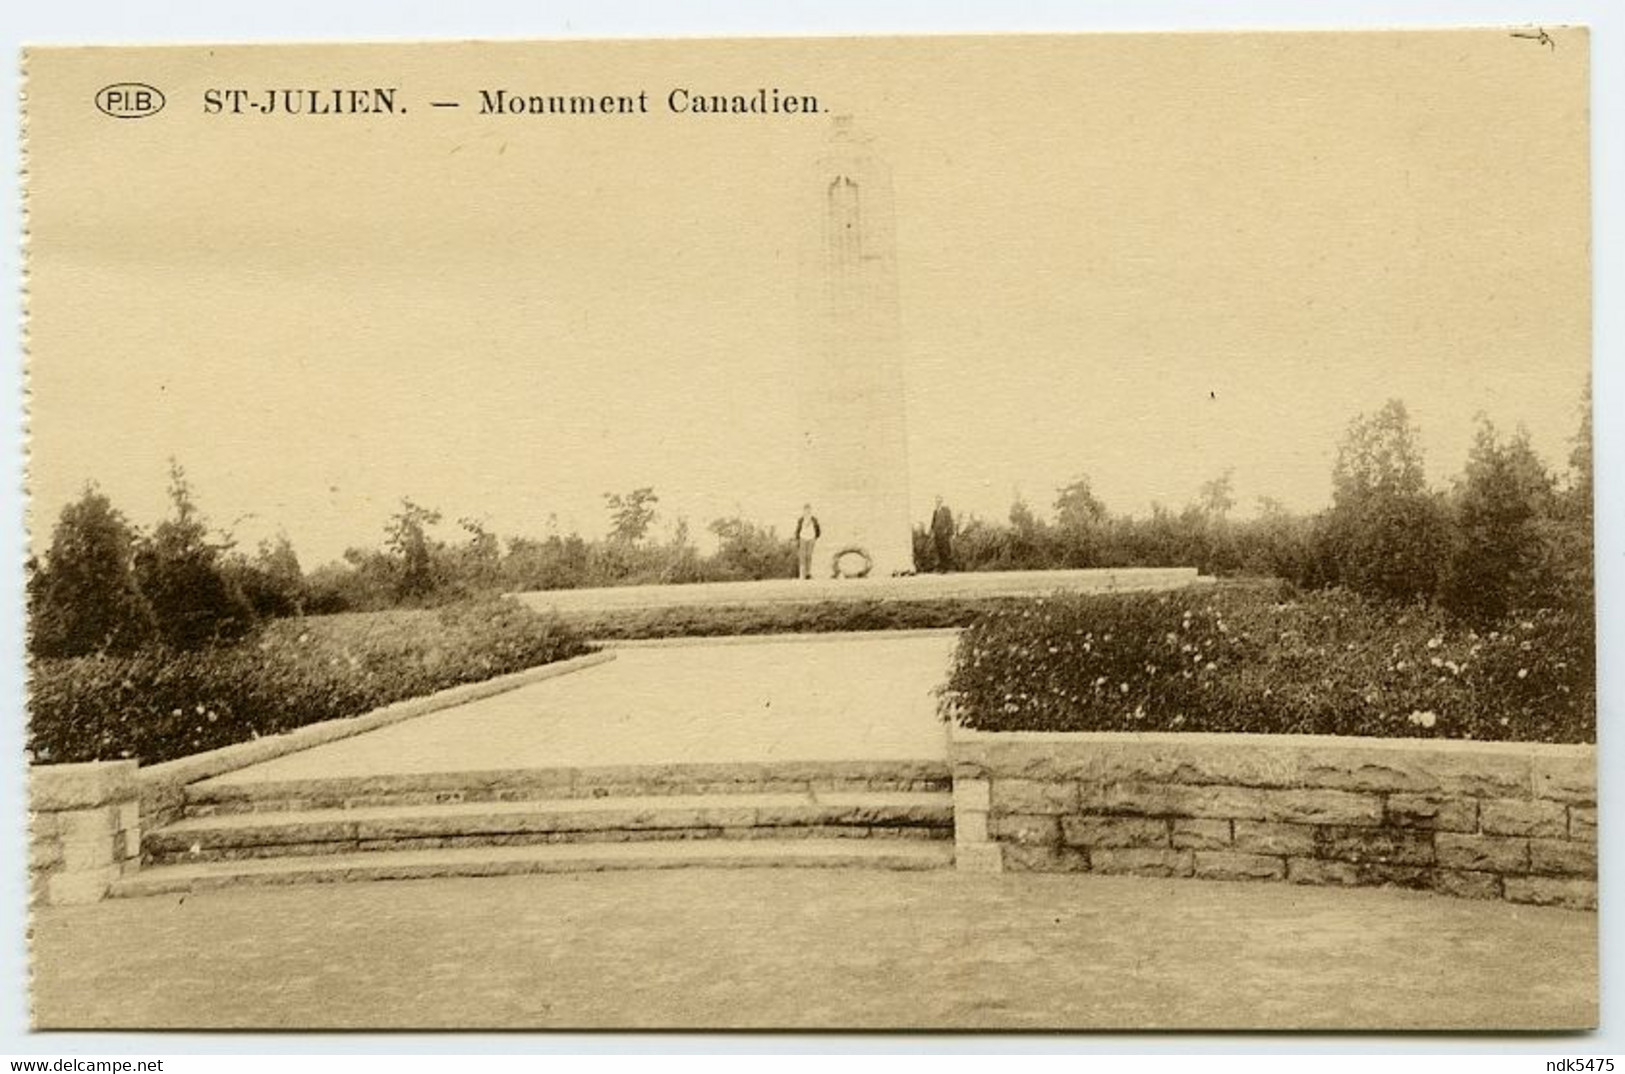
<point x="1475" y="820"/>
<point x="84" y="830"/>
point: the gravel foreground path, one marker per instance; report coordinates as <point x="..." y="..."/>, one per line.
<point x="811" y="949"/>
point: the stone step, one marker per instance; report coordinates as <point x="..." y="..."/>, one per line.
<point x="225" y="795"/>
<point x="507" y="861"/>
<point x="382" y="828"/>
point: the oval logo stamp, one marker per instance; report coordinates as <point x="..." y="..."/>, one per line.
<point x="130" y="100"/>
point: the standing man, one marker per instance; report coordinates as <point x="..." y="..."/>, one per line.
<point x="807" y="533"/>
<point x="942" y="536"/>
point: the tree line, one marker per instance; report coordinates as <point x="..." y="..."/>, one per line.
<point x="106" y="586"/>
<point x="1508" y="533"/>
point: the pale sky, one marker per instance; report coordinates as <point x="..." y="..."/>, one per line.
<point x="1144" y="258"/>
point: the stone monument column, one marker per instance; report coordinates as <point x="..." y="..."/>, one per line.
<point x="854" y="440"/>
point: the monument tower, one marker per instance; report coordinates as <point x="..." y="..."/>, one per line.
<point x="854" y="441"/>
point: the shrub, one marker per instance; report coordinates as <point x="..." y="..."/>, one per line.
<point x="195" y="601"/>
<point x="810" y="618"/>
<point x="84" y="599"/>
<point x="746" y="550"/>
<point x="415" y="553"/>
<point x="1389" y="546"/>
<point x="1267" y="660"/>
<point x="1499" y="505"/>
<point x="1386" y="535"/>
<point x="272" y="582"/>
<point x="162" y="703"/>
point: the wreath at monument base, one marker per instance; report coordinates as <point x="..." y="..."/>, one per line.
<point x="848" y="571"/>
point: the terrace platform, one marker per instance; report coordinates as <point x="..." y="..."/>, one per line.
<point x="847" y="697"/>
<point x="917" y="587"/>
<point x="795" y="752"/>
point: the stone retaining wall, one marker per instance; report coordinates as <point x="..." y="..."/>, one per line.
<point x="85" y="820"/>
<point x="84" y="830"/>
<point x="1476" y="820"/>
<point x="163" y="786"/>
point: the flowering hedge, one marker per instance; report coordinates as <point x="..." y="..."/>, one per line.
<point x="159" y="704"/>
<point x="1258" y="660"/>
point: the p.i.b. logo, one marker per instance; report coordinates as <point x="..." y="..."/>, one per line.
<point x="130" y="100"/>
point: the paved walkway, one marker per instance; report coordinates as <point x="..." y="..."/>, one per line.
<point x="792" y="949"/>
<point x="914" y="587"/>
<point x="852" y="697"/>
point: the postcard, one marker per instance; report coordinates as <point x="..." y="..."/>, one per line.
<point x="1048" y="532"/>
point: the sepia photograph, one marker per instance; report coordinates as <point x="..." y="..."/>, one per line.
<point x="1002" y="532"/>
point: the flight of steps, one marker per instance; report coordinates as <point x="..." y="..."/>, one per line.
<point x="893" y="815"/>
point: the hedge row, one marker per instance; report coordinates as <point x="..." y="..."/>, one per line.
<point x="159" y="704"/>
<point x="807" y="618"/>
<point x="1272" y="662"/>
